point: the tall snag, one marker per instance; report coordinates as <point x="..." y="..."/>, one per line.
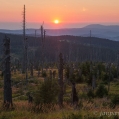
<point x="43" y="32"/>
<point x="7" y="74"/>
<point x="60" y="80"/>
<point x="24" y="37"/>
<point x="117" y="64"/>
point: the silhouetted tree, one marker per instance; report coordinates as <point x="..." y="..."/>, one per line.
<point x="7" y="74"/>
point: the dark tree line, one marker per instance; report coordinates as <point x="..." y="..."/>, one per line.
<point x="73" y="48"/>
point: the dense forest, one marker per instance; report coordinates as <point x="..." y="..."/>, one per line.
<point x="73" y="48"/>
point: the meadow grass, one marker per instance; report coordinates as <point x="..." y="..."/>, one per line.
<point x="86" y="108"/>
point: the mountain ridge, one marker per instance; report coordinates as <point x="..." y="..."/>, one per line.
<point x="98" y="30"/>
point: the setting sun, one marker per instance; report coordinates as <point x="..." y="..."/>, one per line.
<point x="56" y="21"/>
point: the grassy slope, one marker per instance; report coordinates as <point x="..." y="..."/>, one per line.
<point x="25" y="111"/>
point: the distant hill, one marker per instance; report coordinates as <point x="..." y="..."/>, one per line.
<point x="109" y="32"/>
<point x="98" y="26"/>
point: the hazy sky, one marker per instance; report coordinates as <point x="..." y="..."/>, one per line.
<point x="70" y="13"/>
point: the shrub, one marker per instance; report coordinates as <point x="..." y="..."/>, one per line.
<point x="104" y="77"/>
<point x="90" y="94"/>
<point x="46" y="92"/>
<point x="33" y="81"/>
<point x="101" y="91"/>
<point x="44" y="74"/>
<point x="115" y="100"/>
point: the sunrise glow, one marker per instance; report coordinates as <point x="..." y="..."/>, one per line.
<point x="58" y="13"/>
<point x="56" y="21"/>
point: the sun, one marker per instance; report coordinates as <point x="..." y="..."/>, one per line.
<point x="56" y="21"/>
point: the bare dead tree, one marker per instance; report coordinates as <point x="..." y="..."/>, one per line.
<point x="31" y="68"/>
<point x="91" y="60"/>
<point x="42" y="49"/>
<point x="51" y="74"/>
<point x="24" y="37"/>
<point x="7" y="74"/>
<point x="93" y="82"/>
<point x="42" y="40"/>
<point x="60" y="80"/>
<point x="25" y="45"/>
<point x="74" y="95"/>
<point x="26" y="58"/>
<point x="70" y="48"/>
<point x="71" y="70"/>
<point x="109" y="65"/>
<point x="117" y="64"/>
<point x="34" y="52"/>
<point x="90" y="52"/>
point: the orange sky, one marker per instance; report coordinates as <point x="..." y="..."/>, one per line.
<point x="67" y="11"/>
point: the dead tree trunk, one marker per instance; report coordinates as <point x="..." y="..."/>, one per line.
<point x="42" y="38"/>
<point x="74" y="95"/>
<point x="117" y="64"/>
<point x="24" y="36"/>
<point x="71" y="70"/>
<point x="31" y="68"/>
<point x="60" y="80"/>
<point x="93" y="82"/>
<point x="26" y="59"/>
<point x="50" y="72"/>
<point x="109" y="77"/>
<point x="7" y="74"/>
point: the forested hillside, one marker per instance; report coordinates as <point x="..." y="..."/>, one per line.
<point x="69" y="71"/>
<point x="73" y="48"/>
